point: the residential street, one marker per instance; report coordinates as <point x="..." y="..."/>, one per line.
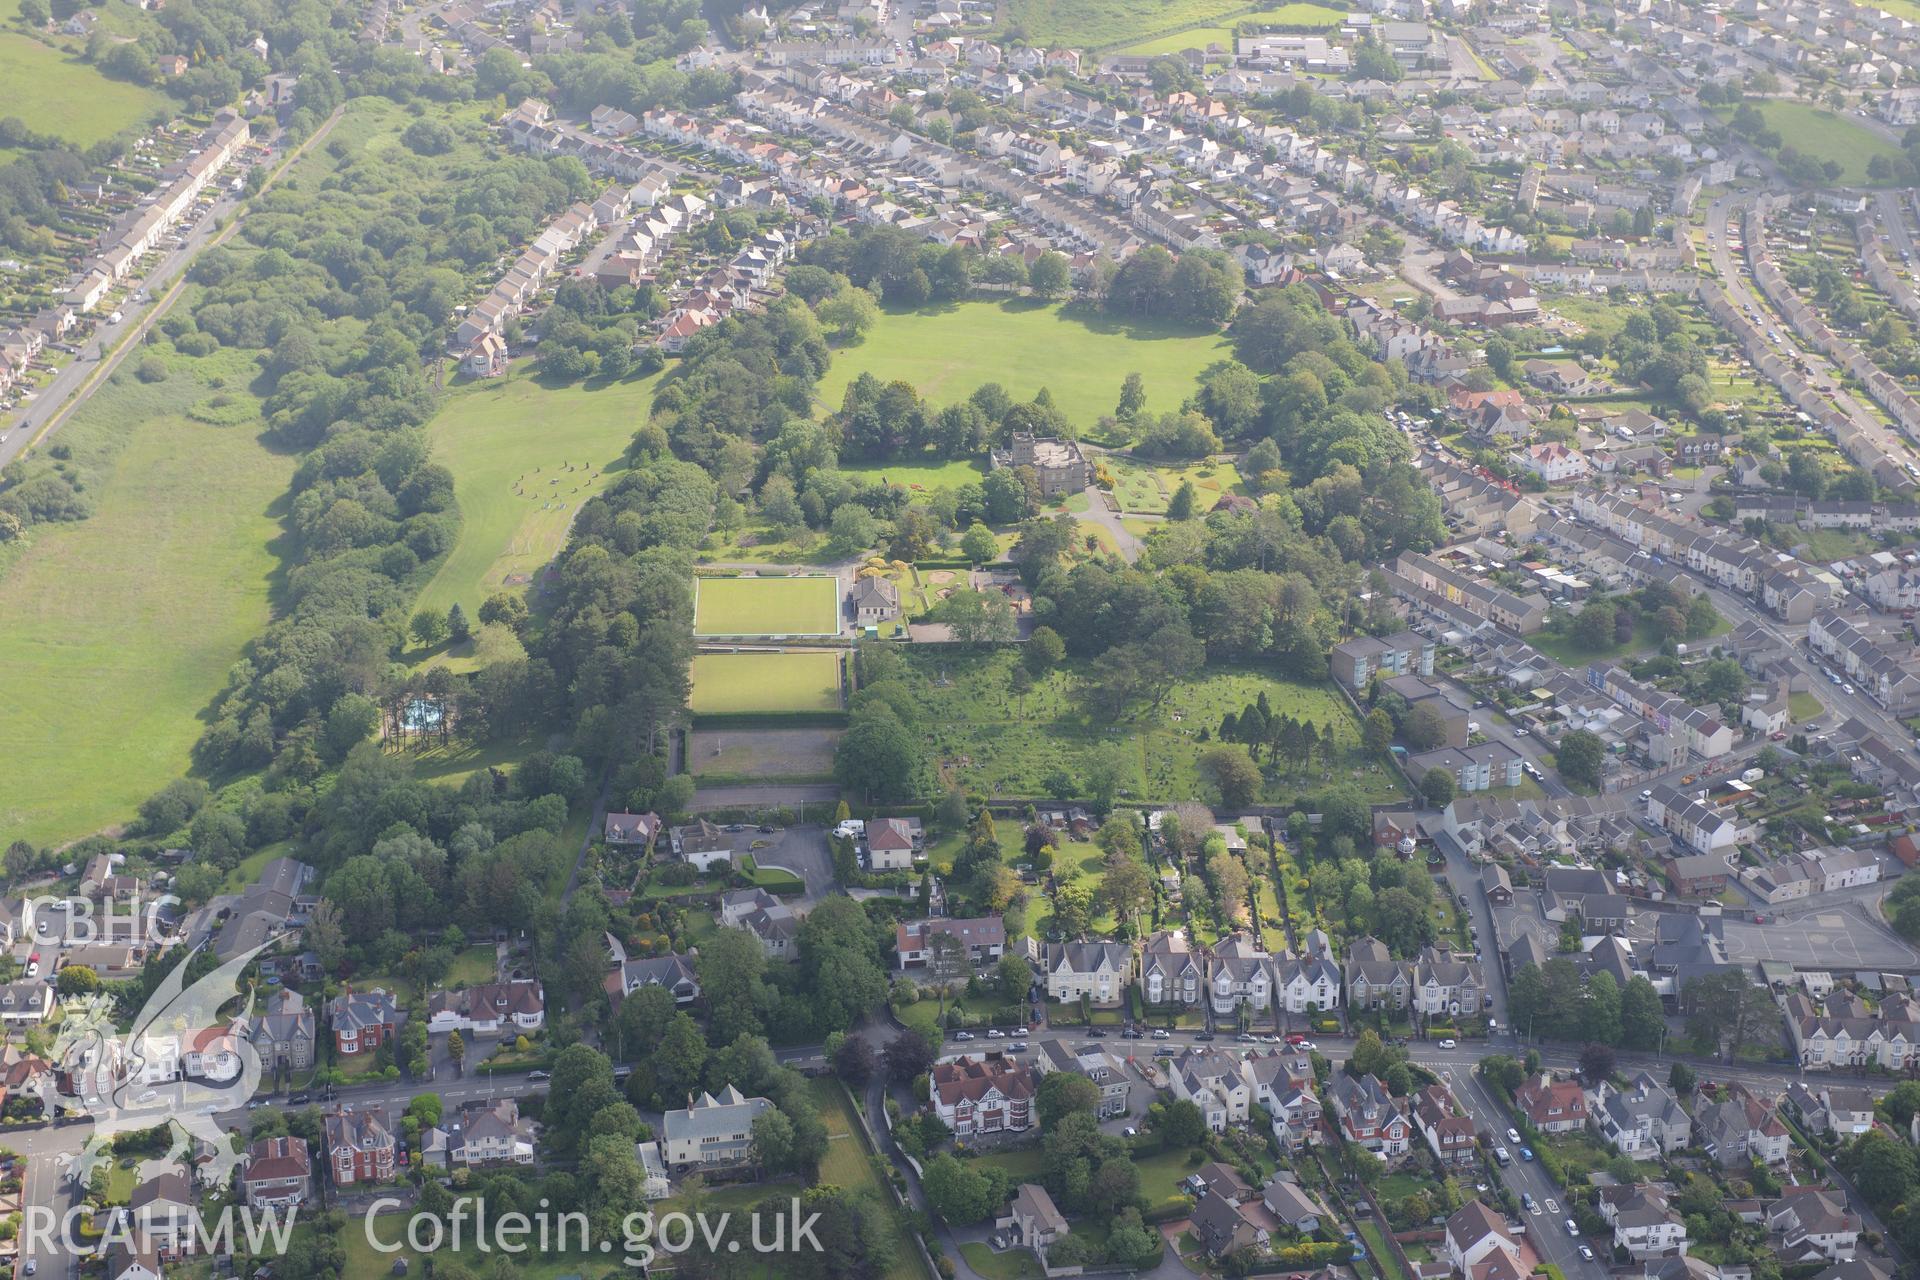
<point x="50" y="410"/>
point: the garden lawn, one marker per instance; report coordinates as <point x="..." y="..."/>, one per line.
<point x="1805" y="706"/>
<point x="58" y="94"/>
<point x="1143" y="488"/>
<point x="737" y="682"/>
<point x="1564" y="650"/>
<point x="1022" y="1164"/>
<point x="807" y="606"/>
<point x="1825" y="135"/>
<point x="1014" y="1264"/>
<point x="1080" y="355"/>
<point x="1377" y="1249"/>
<point x="525" y="457"/>
<point x="1073" y="865"/>
<point x="364" y="1262"/>
<point x="848" y="1164"/>
<point x="1161" y="1176"/>
<point x="119" y="630"/>
<point x="927" y="479"/>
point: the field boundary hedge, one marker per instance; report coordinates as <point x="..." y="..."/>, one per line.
<point x="767" y="719"/>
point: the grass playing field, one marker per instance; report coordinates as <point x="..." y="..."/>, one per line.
<point x="524" y="458"/>
<point x="1825" y="135"/>
<point x="807" y="606"/>
<point x="1080" y="356"/>
<point x="61" y="95"/>
<point x="1101" y="24"/>
<point x="730" y="683"/>
<point x="1301" y="16"/>
<point x="118" y="630"/>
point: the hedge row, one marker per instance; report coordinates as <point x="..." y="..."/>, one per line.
<point x="768" y="719"/>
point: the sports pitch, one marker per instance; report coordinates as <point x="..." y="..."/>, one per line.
<point x="745" y="682"/>
<point x="807" y="606"/>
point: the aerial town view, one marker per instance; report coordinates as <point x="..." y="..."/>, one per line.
<point x="960" y="639"/>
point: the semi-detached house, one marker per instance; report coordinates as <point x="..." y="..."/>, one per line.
<point x="1642" y="1119"/>
<point x="1096" y="971"/>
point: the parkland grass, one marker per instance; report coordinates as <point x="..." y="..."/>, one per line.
<point x="985" y="738"/>
<point x="806" y="606"/>
<point x="733" y="683"/>
<point x="1826" y="135"/>
<point x="525" y="457"/>
<point x="1302" y="17"/>
<point x="1097" y="24"/>
<point x="1079" y="355"/>
<point x="118" y="630"/>
<point x="58" y="94"/>
<point x="927" y="479"/>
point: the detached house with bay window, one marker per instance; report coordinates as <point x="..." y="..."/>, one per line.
<point x="1641" y="1120"/>
<point x="1098" y="971"/>
<point x="1552" y="1106"/>
<point x="992" y="1094"/>
<point x="1369" y="1115"/>
<point x="362" y="1021"/>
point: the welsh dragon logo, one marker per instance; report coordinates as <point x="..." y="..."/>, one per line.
<point x="176" y="1066"/>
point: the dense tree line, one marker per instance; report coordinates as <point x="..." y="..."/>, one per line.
<point x="344" y="285"/>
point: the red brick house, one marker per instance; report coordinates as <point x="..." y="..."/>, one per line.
<point x="1552" y="1106"/>
<point x="993" y="1094"/>
<point x="360" y="1145"/>
<point x="362" y="1021"/>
